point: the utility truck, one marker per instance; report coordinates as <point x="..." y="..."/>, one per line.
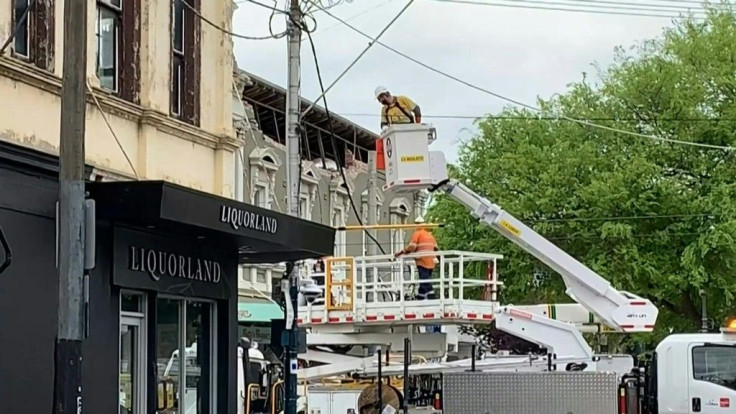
<point x="260" y="383"/>
<point x="689" y="373"/>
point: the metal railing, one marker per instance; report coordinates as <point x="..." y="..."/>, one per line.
<point x="358" y="283"/>
<point x="392" y="237"/>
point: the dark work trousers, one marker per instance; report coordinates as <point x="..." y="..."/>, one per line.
<point x="426" y="291"/>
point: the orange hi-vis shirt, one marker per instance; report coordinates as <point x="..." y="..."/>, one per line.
<point x="423" y="241"/>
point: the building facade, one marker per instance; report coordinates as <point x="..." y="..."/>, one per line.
<point x="160" y="84"/>
<point x="160" y="166"/>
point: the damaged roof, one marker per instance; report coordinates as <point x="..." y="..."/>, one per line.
<point x="269" y="104"/>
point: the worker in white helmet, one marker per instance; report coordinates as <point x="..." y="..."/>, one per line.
<point x="397" y="109"/>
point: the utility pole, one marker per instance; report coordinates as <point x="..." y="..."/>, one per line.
<point x="293" y="108"/>
<point x="71" y="213"/>
<point x="372" y="248"/>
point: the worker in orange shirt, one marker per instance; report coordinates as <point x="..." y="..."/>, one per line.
<point x="422" y="241"/>
<point x="397" y="109"/>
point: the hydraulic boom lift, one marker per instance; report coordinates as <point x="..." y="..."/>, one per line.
<point x="687" y="373"/>
<point x="410" y="166"/>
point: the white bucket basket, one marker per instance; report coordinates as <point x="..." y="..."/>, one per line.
<point x="410" y="166"/>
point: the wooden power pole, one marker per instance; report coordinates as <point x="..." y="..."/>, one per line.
<point x="71" y="213"/>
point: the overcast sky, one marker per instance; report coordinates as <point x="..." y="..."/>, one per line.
<point x="519" y="53"/>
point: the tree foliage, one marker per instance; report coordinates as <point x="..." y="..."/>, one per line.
<point x="655" y="218"/>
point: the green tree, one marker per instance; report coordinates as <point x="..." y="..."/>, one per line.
<point x="653" y="217"/>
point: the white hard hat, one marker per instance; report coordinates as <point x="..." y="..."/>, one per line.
<point x="380" y="90"/>
<point x="419" y="220"/>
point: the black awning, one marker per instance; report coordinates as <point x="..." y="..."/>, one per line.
<point x="258" y="235"/>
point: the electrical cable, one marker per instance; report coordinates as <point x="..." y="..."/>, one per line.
<point x="616" y="218"/>
<point x="334" y="144"/>
<point x="573" y="8"/>
<point x="531" y="107"/>
<point x="663" y="7"/>
<point x="112" y="131"/>
<point x="350" y="66"/>
<point x="353" y="17"/>
<point x="299" y="183"/>
<point x="640" y="4"/>
<point x="550" y="118"/>
<point x="273" y="8"/>
<point x="228" y="32"/>
<point x="694" y="2"/>
<point x="586" y="4"/>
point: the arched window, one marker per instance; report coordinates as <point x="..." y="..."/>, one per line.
<point x="399" y="212"/>
<point x="264" y="163"/>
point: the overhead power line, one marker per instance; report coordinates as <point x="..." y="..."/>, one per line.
<point x="677" y="7"/>
<point x="258" y="3"/>
<point x="350" y="66"/>
<point x="570" y="7"/>
<point x="228" y="32"/>
<point x="531" y="107"/>
<point x="551" y="118"/>
<point x="598" y="5"/>
<point x="333" y="140"/>
<point x="353" y="17"/>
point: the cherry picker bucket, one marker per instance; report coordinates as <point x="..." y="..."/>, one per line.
<point x="409" y="164"/>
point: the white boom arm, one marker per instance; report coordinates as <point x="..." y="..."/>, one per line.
<point x="410" y="166"/>
<point x="621" y="311"/>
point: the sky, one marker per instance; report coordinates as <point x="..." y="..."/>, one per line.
<point x="517" y="52"/>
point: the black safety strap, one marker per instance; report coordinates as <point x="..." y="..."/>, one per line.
<point x="411" y="118"/>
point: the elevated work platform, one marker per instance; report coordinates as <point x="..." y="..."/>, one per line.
<point x="370" y="293"/>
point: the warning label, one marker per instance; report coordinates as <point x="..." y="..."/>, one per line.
<point x="509" y="227"/>
<point x="412" y="158"/>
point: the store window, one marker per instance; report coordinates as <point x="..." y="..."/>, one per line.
<point x="184" y="383"/>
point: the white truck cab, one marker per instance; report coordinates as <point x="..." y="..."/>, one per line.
<point x="707" y="384"/>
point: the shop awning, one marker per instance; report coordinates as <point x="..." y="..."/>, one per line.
<point x="258" y="311"/>
<point x="258" y="235"/>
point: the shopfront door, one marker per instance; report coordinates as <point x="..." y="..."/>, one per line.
<point x="131" y="367"/>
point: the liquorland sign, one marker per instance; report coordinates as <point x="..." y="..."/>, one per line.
<point x="158" y="264"/>
<point x="172" y="265"/>
<point x="243" y="219"/>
